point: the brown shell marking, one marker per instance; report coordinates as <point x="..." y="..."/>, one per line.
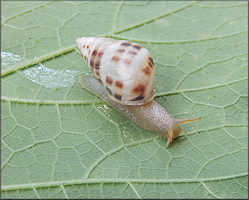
<point x="93" y="58"/>
<point x="119" y="84"/>
<point x="150" y="62"/>
<point x="138" y="98"/>
<point x="91" y="62"/>
<point x="126" y="44"/>
<point x="115" y="58"/>
<point x="94" y="53"/>
<point x="147" y="70"/>
<point x="117" y="96"/>
<point x="139" y="89"/>
<point x="132" y="53"/>
<point x="100" y="54"/>
<point x="95" y="61"/>
<point x="96" y="64"/>
<point x="121" y="50"/>
<point x="137" y="47"/>
<point x="108" y="80"/>
<point x="98" y="59"/>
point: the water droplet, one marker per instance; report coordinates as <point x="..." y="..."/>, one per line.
<point x="50" y="78"/>
<point x="9" y="59"/>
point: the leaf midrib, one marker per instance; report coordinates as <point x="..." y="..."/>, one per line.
<point x="118" y="180"/>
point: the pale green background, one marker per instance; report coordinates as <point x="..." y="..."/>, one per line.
<point x="60" y="141"/>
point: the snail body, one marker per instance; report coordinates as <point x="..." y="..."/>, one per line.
<point x="123" y="77"/>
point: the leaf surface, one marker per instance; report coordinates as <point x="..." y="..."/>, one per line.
<point x="60" y="141"/>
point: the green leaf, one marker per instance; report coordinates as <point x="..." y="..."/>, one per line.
<point x="60" y="141"/>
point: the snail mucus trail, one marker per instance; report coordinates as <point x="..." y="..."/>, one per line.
<point x="123" y="75"/>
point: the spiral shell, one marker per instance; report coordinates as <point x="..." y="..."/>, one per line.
<point x="125" y="69"/>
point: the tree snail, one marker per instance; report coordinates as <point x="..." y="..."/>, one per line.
<point x="123" y="75"/>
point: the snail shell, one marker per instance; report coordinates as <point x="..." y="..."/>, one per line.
<point x="125" y="69"/>
<point x="124" y="74"/>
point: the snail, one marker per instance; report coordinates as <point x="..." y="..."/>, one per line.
<point x="123" y="75"/>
